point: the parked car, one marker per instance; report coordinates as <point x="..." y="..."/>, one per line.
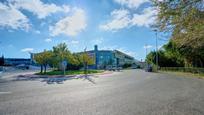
<point x="148" y="68"/>
<point x="22" y="66"/>
<point x="114" y="68"/>
<point x="119" y="68"/>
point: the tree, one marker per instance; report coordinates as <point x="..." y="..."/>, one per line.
<point x="185" y="20"/>
<point x="77" y="63"/>
<point x="47" y="59"/>
<point x="44" y="58"/>
<point x="127" y="65"/>
<point x="39" y="60"/>
<point x="61" y="53"/>
<point x="87" y="60"/>
<point x="172" y="53"/>
<point x="168" y="57"/>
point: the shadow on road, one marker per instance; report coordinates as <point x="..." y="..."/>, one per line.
<point x="53" y="79"/>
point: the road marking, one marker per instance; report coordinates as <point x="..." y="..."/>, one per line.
<point x="5" y="92"/>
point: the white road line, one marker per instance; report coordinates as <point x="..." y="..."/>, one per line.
<point x="5" y="93"/>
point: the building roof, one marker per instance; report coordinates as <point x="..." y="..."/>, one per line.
<point x="92" y="51"/>
<point x="124" y="54"/>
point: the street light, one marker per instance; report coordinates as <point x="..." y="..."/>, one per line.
<point x="157" y="59"/>
<point x="146" y="55"/>
<point x="146" y="49"/>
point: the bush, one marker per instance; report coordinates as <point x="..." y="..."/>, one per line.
<point x="183" y="69"/>
<point x="127" y="65"/>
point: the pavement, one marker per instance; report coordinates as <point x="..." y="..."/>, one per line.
<point x="130" y="92"/>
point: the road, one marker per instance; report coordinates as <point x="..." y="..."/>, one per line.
<point x="6" y="75"/>
<point x="131" y="92"/>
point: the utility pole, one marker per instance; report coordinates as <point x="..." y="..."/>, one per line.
<point x="146" y="49"/>
<point x="85" y="63"/>
<point x="146" y="55"/>
<point x="157" y="59"/>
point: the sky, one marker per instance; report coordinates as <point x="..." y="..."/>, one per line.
<point x="34" y="25"/>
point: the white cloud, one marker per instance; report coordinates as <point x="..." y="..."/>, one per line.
<point x="131" y="3"/>
<point x="37" y="7"/>
<point x="97" y="41"/>
<point x="148" y="46"/>
<point x="146" y="18"/>
<point x="37" y="32"/>
<point x="113" y="47"/>
<point x="27" y="50"/>
<point x="70" y="25"/>
<point x="119" y="19"/>
<point x="48" y="40"/>
<point x="13" y="18"/>
<point x="74" y="42"/>
<point x="122" y="18"/>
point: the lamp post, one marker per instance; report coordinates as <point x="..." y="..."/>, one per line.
<point x="157" y="59"/>
<point x="85" y="63"/>
<point x="146" y="55"/>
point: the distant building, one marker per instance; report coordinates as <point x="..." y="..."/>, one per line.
<point x="16" y="61"/>
<point x="105" y="58"/>
<point x="32" y="60"/>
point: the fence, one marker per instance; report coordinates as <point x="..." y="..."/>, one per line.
<point x="184" y="69"/>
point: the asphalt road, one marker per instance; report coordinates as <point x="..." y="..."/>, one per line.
<point x="131" y="92"/>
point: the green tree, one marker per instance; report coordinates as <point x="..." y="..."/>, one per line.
<point x="44" y="58"/>
<point x="39" y="60"/>
<point x="185" y="20"/>
<point x="62" y="53"/>
<point x="173" y="54"/>
<point x="77" y="63"/>
<point x="87" y="60"/>
<point x="47" y="59"/>
<point x="166" y="58"/>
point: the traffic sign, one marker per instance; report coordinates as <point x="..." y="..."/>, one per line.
<point x="64" y="65"/>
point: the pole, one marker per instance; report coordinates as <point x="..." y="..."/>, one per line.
<point x="146" y="56"/>
<point x="85" y="63"/>
<point x="157" y="59"/>
<point x="64" y="70"/>
<point x="146" y="49"/>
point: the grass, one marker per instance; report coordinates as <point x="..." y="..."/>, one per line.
<point x="185" y="74"/>
<point x="70" y="72"/>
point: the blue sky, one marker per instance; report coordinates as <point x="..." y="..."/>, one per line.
<point x="35" y="25"/>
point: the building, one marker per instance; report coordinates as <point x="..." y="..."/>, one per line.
<point x="16" y="61"/>
<point x="104" y="58"/>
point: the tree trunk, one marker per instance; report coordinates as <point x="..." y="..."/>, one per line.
<point x="41" y="68"/>
<point x="200" y="61"/>
<point x="45" y="66"/>
<point x="85" y="69"/>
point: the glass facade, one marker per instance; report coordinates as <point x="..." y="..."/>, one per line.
<point x="104" y="58"/>
<point x="17" y="61"/>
